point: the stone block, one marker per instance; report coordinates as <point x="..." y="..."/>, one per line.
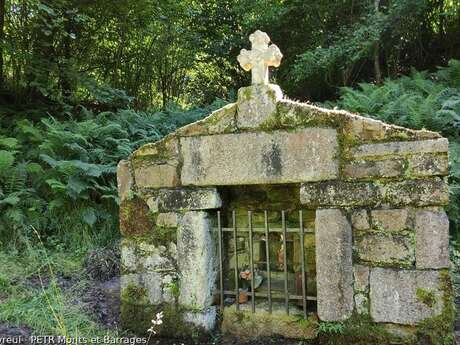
<point x="160" y="151"/>
<point x="385" y="249"/>
<point x="401" y="148"/>
<point x="140" y="257"/>
<point x="392" y="220"/>
<point x="152" y="203"/>
<point x="423" y="192"/>
<point x="256" y="104"/>
<point x="247" y="325"/>
<point x="197" y="260"/>
<point x="157" y="165"/>
<point x="220" y="121"/>
<point x="260" y="158"/>
<point x="124" y="179"/>
<point x="128" y="257"/>
<point x="338" y="193"/>
<point x="432" y="239"/>
<point x="393" y="295"/>
<point x="361" y="278"/>
<point x="205" y="320"/>
<point x="187" y="199"/>
<point x="167" y="220"/>
<point x="365" y="128"/>
<point x="361" y="304"/>
<point x="157" y="175"/>
<point x="374" y="168"/>
<point x="334" y="265"/>
<point x="357" y="128"/>
<point x="429" y="165"/>
<point x="135" y="217"/>
<point x="156" y="260"/>
<point x="360" y="219"/>
<point x="146" y="285"/>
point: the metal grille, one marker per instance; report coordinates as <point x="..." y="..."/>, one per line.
<point x="266" y="230"/>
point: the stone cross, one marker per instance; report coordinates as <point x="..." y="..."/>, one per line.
<point x="260" y="57"/>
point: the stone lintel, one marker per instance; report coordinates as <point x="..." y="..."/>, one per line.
<point x="334" y="267"/>
<point x="180" y="199"/>
<point x="423" y="192"/>
<point x="308" y="154"/>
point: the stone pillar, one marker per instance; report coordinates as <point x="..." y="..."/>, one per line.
<point x="334" y="268"/>
<point x="198" y="267"/>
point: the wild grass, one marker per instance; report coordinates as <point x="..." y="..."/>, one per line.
<point x="32" y="293"/>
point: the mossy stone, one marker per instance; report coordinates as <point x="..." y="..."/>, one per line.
<point x="135" y="217"/>
<point x="245" y="324"/>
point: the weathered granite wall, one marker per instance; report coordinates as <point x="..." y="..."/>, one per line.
<point x="378" y="190"/>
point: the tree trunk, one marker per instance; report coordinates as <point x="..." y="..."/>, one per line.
<point x="2" y="38"/>
<point x="377" y="71"/>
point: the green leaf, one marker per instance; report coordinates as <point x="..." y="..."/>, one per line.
<point x="9" y="143"/>
<point x="6" y="161"/>
<point x="76" y="185"/>
<point x="89" y="216"/>
<point x="56" y="185"/>
<point x="11" y="200"/>
<point x="34" y="168"/>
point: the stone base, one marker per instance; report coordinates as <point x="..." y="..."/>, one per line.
<point x="177" y="322"/>
<point x="245" y="324"/>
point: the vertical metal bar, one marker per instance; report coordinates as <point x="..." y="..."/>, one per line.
<point x="286" y="291"/>
<point x="302" y="254"/>
<point x="251" y="262"/>
<point x="235" y="240"/>
<point x="267" y="256"/>
<point x="221" y="268"/>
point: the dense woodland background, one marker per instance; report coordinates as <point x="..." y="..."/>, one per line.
<point x="85" y="82"/>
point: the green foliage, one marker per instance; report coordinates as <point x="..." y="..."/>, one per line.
<point x="66" y="51"/>
<point x="354" y="43"/>
<point x="59" y="177"/>
<point x="331" y="328"/>
<point x="420" y="100"/>
<point x="359" y="330"/>
<point x="373" y="40"/>
<point x="455" y="259"/>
